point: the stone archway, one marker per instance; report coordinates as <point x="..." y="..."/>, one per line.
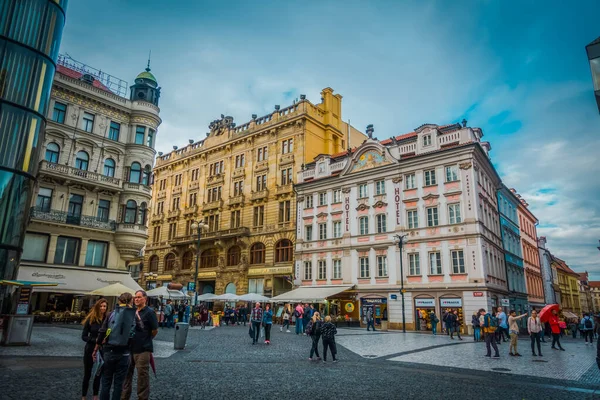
<point x="231" y="288"/>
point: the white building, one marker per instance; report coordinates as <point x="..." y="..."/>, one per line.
<point x="435" y="185"/>
<point x="88" y="217"/>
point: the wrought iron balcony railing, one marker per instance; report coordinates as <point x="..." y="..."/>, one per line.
<point x="64" y="217"/>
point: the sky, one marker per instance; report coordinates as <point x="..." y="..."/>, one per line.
<point x="516" y="69"/>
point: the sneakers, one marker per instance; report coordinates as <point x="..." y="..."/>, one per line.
<point x="281" y="329"/>
<point x="335" y="361"/>
<point x="267" y="342"/>
<point x="310" y="359"/>
<point x="288" y="331"/>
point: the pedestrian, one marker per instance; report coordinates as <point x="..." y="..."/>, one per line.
<point x="444" y="318"/>
<point x="535" y="330"/>
<point x="476" y="327"/>
<point x="298" y="314"/>
<point x="305" y="317"/>
<point x="489" y="324"/>
<point x="169" y="314"/>
<point x="554" y="326"/>
<point x="502" y="330"/>
<point x="514" y="332"/>
<point x="287" y="314"/>
<point x="328" y="332"/>
<point x="256" y="317"/>
<point x="91" y="325"/>
<point x="370" y="319"/>
<point x="434" y="321"/>
<point x="115" y="347"/>
<point x="448" y="322"/>
<point x="244" y="313"/>
<point x="314" y="331"/>
<point x="180" y="312"/>
<point x="588" y="328"/>
<point x="267" y="321"/>
<point x="186" y="315"/>
<point x="203" y="317"/>
<point x="547" y="331"/>
<point x="141" y="348"/>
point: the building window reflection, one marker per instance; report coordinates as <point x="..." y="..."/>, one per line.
<point x="82" y="160"/>
<point x="52" y="153"/>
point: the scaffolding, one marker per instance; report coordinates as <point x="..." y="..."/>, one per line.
<point x="112" y="83"/>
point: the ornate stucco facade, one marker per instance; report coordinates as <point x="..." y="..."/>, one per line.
<point x="436" y="185"/>
<point x="239" y="181"/>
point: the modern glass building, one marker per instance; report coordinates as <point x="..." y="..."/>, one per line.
<point x="30" y="35"/>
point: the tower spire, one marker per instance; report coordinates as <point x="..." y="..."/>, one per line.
<point x="149" y="55"/>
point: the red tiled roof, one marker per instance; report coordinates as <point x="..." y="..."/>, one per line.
<point x="594" y="284"/>
<point x="77" y="75"/>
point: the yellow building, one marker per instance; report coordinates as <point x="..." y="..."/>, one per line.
<point x="568" y="281"/>
<point x="239" y="181"/>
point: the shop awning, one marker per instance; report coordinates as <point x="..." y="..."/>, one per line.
<point x="74" y="280"/>
<point x="569" y="314"/>
<point x="311" y="294"/>
<point x="27" y="283"/>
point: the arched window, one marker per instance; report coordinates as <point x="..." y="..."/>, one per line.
<point x="52" y="153"/>
<point x="169" y="262"/>
<point x="81" y="160"/>
<point x="153" y="264"/>
<point x="135" y="172"/>
<point x="142" y="214"/>
<point x="233" y="255"/>
<point x="146" y="175"/>
<point x="231" y="288"/>
<point x="283" y="251"/>
<point x="187" y="260"/>
<point x="130" y="212"/>
<point x="208" y="258"/>
<point x="109" y="167"/>
<point x="257" y="253"/>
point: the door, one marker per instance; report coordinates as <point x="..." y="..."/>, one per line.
<point x="75" y="206"/>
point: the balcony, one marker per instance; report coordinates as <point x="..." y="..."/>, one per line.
<point x="212" y="205"/>
<point x="137" y="187"/>
<point x="284" y="189"/>
<point x="177" y="190"/>
<point x="162" y="194"/>
<point x="157" y="217"/>
<point x="233" y="232"/>
<point x="85" y="177"/>
<point x="211" y="235"/>
<point x="194" y="185"/>
<point x="132" y="228"/>
<point x="173" y="214"/>
<point x="215" y="179"/>
<point x="286" y="158"/>
<point x="236" y="200"/>
<point x="190" y="210"/>
<point x="263" y="194"/>
<point x="62" y="217"/>
<point x="238" y="172"/>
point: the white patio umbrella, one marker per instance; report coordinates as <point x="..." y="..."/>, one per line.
<point x="114" y="290"/>
<point x="164" y="292"/>
<point x="226" y="297"/>
<point x="206" y="296"/>
<point x="254" y="297"/>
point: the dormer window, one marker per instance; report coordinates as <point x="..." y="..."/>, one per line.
<point x="426" y="140"/>
<point x="321" y="168"/>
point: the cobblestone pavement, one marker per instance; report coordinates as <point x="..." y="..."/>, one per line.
<point x="222" y="364"/>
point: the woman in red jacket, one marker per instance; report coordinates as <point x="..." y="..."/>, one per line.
<point x="555" y="330"/>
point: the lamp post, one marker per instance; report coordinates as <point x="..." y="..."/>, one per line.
<point x="593" y="54"/>
<point x="197" y="226"/>
<point x="150" y="276"/>
<point x="400" y="241"/>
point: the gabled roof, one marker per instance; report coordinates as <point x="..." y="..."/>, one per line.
<point x="594" y="284"/>
<point x="61" y="69"/>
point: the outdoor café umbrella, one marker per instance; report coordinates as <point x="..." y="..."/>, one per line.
<point x="227" y="297"/>
<point x="164" y="292"/>
<point x="253" y="297"/>
<point x="207" y="297"/>
<point x="114" y="290"/>
<point x="547" y="311"/>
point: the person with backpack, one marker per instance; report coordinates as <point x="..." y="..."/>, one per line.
<point x="588" y="328"/>
<point x="447" y="319"/>
<point x="287" y="315"/>
<point x="267" y="322"/>
<point x="141" y="348"/>
<point x="476" y="327"/>
<point x="328" y="332"/>
<point x="489" y="324"/>
<point x="169" y="315"/>
<point x="114" y="336"/>
<point x="298" y="314"/>
<point x="555" y="327"/>
<point x="314" y="331"/>
<point x="91" y="325"/>
<point x="535" y="330"/>
<point x="256" y="318"/>
<point x="434" y="321"/>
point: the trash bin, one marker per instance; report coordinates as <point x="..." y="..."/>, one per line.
<point x="181" y="332"/>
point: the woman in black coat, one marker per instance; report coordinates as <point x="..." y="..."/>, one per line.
<point x="91" y="325"/>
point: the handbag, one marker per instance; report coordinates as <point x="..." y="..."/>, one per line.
<point x="262" y="331"/>
<point x="251" y="332"/>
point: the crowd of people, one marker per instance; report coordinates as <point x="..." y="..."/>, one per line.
<point x="118" y="344"/>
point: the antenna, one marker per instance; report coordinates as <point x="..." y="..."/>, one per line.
<point x="149" y="56"/>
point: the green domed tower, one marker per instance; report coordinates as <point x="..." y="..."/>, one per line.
<point x="146" y="87"/>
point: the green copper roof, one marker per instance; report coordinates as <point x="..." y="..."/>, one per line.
<point x="146" y="75"/>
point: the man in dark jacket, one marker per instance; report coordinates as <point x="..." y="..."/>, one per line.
<point x="141" y="348"/>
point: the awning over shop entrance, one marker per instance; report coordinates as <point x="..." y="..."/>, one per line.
<point x="74" y="280"/>
<point x="311" y="294"/>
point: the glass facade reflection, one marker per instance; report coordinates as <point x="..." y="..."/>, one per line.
<point x="30" y="35"/>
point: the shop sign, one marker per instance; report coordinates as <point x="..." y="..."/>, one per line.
<point x="397" y="201"/>
<point x="425" y="302"/>
<point x="164" y="277"/>
<point x="477" y="294"/>
<point x="394" y="296"/>
<point x="208" y="274"/>
<point x="269" y="271"/>
<point x="349" y="307"/>
<point x="505" y="302"/>
<point x="451" y="302"/>
<point x="374" y="301"/>
<point x="347" y="213"/>
<point x="191" y="286"/>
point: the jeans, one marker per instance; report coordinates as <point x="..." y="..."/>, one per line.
<point x="514" y="336"/>
<point x="186" y="318"/>
<point x="329" y="343"/>
<point x="556" y="340"/>
<point x="588" y="334"/>
<point x="490" y="341"/>
<point x="256" y="331"/>
<point x="88" y="364"/>
<point x="305" y="324"/>
<point x="141" y="362"/>
<point x="535" y="337"/>
<point x="434" y="329"/>
<point x="477" y="331"/>
<point x="286" y="324"/>
<point x="314" y="350"/>
<point x="454" y="330"/>
<point x="299" y="327"/>
<point x="268" y="332"/>
<point x="502" y="334"/>
<point x="114" y="371"/>
<point x="169" y="321"/>
<point x="371" y="323"/>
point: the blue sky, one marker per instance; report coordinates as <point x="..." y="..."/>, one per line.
<point x="516" y="69"/>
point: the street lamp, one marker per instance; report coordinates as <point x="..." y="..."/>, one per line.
<point x="593" y="53"/>
<point x="150" y="276"/>
<point x="197" y="226"/>
<point x="400" y="239"/>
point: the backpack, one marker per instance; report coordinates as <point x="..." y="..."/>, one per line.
<point x="588" y="323"/>
<point x="296" y="314"/>
<point x="309" y="328"/>
<point x="490" y="323"/>
<point x="121" y="326"/>
<point x="317" y="328"/>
